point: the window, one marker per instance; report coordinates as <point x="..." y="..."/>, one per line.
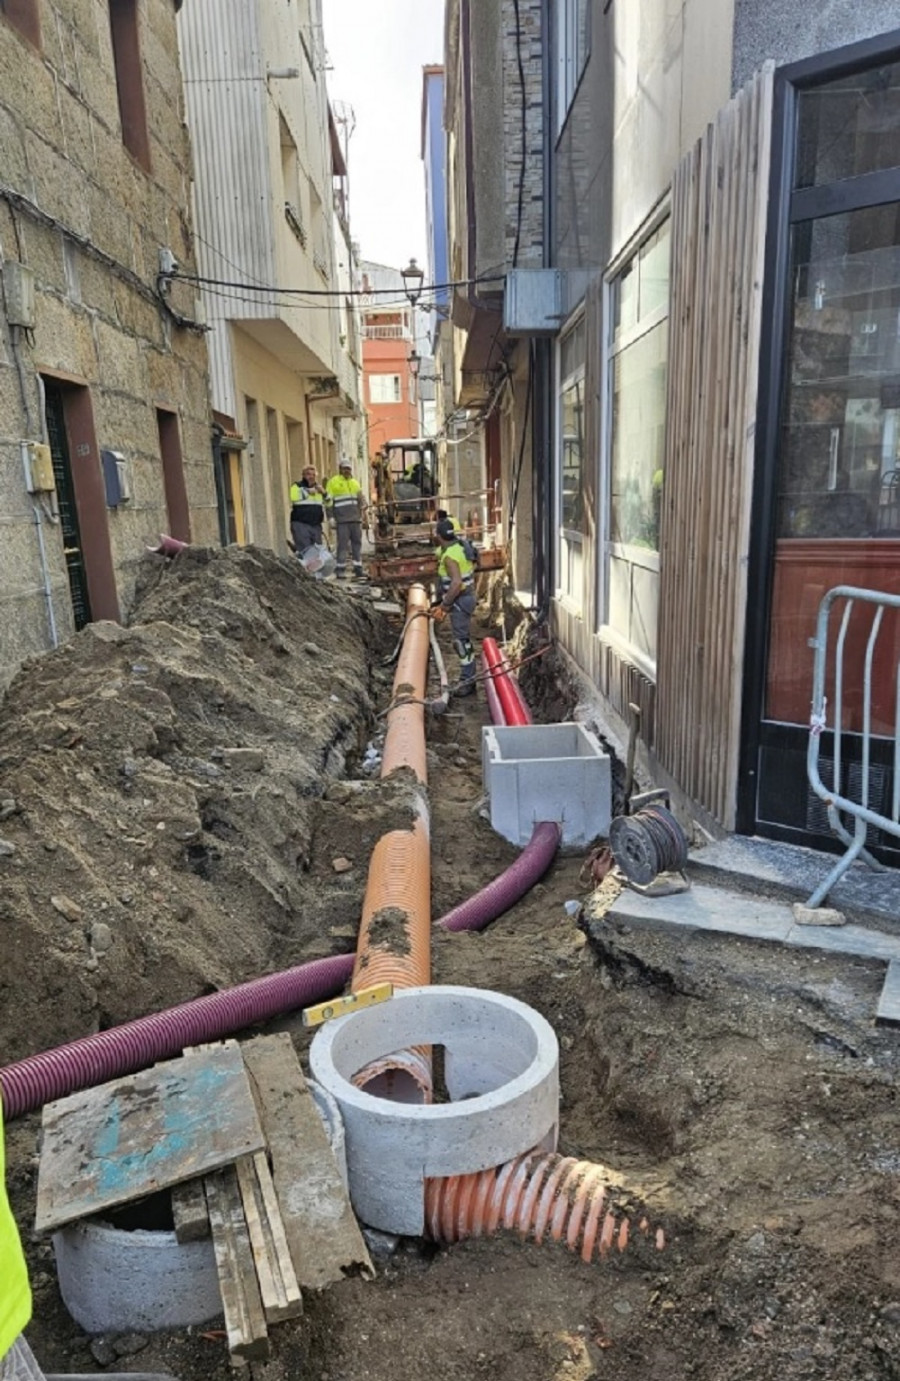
<point x="177" y="507"/>
<point x="385" y="388"/>
<point x="126" y="46"/>
<point x="572" y="48"/>
<point x="23" y="15"/>
<point x="638" y="354"/>
<point x="570" y="462"/>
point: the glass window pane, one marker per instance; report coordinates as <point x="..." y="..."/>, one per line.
<point x="638" y="439"/>
<point x="572" y="456"/>
<point x="625" y="301"/>
<point x="849" y="127"/>
<point x="653" y="272"/>
<point x="571" y="353"/>
<point x="840" y="442"/>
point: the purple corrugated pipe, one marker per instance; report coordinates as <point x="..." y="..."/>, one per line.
<point x="499" y="895"/>
<point x="38" y="1079"/>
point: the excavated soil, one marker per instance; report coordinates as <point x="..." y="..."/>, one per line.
<point x="742" y="1091"/>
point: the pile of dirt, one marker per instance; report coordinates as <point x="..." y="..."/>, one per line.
<point x="743" y="1090"/>
<point x="159" y="782"/>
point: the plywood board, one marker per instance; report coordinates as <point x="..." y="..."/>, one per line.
<point x="148" y="1131"/>
<point x="321" y="1229"/>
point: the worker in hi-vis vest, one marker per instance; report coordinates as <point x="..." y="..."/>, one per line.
<point x="347" y="510"/>
<point x="307" y="511"/>
<point x="456" y="583"/>
<point x="15" y="1292"/>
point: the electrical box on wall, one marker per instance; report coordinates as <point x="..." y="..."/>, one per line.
<point x="116" y="479"/>
<point x="38" y="461"/>
<point x="18" y="290"/>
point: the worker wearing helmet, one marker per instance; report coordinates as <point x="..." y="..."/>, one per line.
<point x="347" y="510"/>
<point x="15" y="1293"/>
<point x="456" y="581"/>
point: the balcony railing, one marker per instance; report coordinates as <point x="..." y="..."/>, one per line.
<point x="386" y="332"/>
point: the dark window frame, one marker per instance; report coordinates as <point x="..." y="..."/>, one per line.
<point x="24" y="17"/>
<point x="787" y="206"/>
<point x="124" y="28"/>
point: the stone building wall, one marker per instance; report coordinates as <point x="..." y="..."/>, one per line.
<point x="522" y="42"/>
<point x="88" y="218"/>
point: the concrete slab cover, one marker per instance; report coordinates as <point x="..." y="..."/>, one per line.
<point x="547" y="772"/>
<point x="502" y="1073"/>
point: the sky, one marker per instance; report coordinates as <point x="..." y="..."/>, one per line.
<point x="377" y="49"/>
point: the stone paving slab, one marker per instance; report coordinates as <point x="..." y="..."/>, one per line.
<point x="791" y="873"/>
<point x="731" y="913"/>
<point x="889" y="1002"/>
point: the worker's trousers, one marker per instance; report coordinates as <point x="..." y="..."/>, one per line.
<point x="349" y="541"/>
<point x="461" y="612"/>
<point x="306" y="535"/>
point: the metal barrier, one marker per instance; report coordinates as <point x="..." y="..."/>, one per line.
<point x="837" y="804"/>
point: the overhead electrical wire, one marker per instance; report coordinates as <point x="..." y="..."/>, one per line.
<point x="203" y="281"/>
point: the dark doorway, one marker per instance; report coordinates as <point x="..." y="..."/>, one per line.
<point x="177" y="507"/>
<point x="82" y="501"/>
<point x="68" y="511"/>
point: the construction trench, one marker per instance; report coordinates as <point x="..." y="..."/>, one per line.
<point x="721" y="1101"/>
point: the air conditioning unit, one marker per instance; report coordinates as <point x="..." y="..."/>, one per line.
<point x="533" y="302"/>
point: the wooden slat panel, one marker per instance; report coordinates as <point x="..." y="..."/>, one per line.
<point x="277" y="1280"/>
<point x="245" y="1322"/>
<point x="719" y="199"/>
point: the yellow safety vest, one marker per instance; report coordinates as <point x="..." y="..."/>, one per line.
<point x="343" y="498"/>
<point x="15" y="1292"/>
<point x="456" y="551"/>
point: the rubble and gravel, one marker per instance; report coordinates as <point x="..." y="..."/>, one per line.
<point x="744" y="1090"/>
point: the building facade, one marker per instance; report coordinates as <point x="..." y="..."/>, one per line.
<point x="716" y="430"/>
<point x="389" y="338"/>
<point x="104" y="366"/>
<point x="494" y="120"/>
<point x="269" y="176"/>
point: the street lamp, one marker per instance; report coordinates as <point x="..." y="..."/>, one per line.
<point x="413" y="278"/>
<point x="414" y="360"/>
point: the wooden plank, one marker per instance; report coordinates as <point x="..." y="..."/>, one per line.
<point x="245" y="1322"/>
<point x="278" y="1286"/>
<point x="322" y="1232"/>
<point x="189" y="1212"/>
<point x="148" y="1131"/>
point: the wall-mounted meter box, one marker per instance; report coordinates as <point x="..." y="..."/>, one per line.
<point x="39" y="476"/>
<point x="18" y="290"/>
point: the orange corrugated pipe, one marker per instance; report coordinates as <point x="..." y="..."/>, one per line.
<point x="537" y="1195"/>
<point x="394" y="944"/>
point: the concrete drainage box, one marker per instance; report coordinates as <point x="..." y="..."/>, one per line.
<point x="547" y="772"/>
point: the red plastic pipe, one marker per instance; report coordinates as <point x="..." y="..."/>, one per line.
<point x="512" y="703"/>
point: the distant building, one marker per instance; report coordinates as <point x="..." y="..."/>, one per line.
<point x="101" y="359"/>
<point x="389" y="336"/>
<point x="270" y="187"/>
<point x="434" y="158"/>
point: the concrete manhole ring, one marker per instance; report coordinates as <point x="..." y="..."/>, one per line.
<point x="501" y="1068"/>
